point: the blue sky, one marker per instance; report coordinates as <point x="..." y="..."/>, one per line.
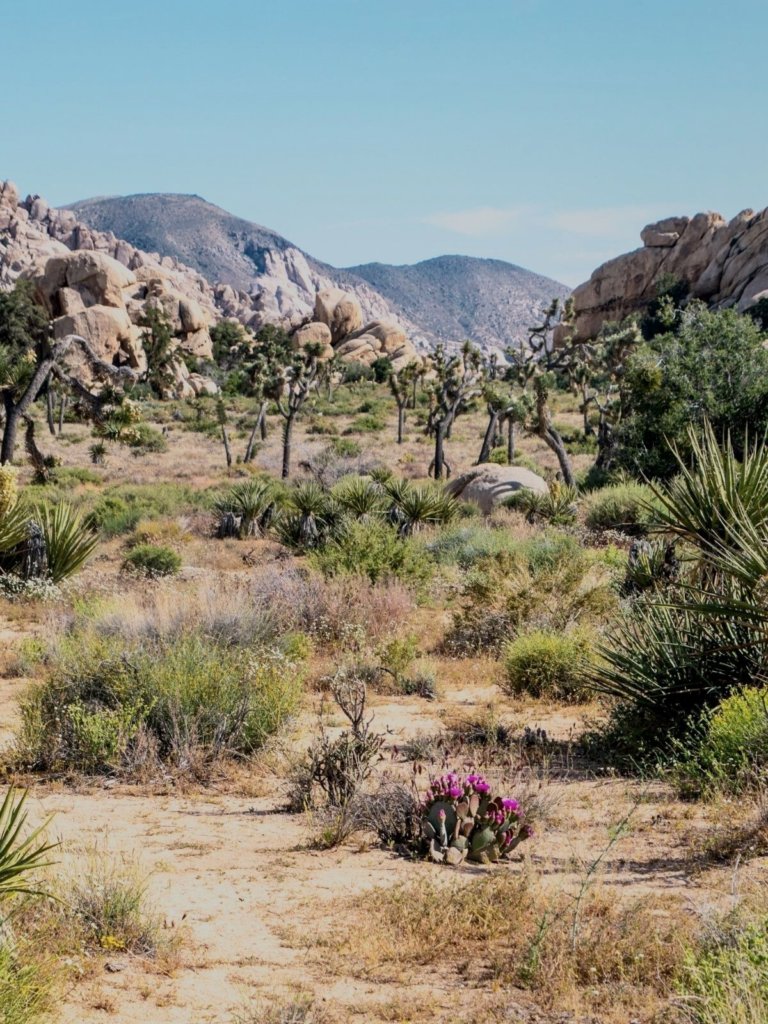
<point x="544" y="132"/>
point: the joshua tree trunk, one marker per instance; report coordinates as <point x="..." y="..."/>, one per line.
<point x="510" y="441"/>
<point x="287" y="441"/>
<point x="258" y="427"/>
<point x="490" y="436"/>
<point x="49" y="411"/>
<point x="439" y="462"/>
<point x="12" y="417"/>
<point x="62" y="410"/>
<point x="549" y="435"/>
<point x="225" y="442"/>
<point x="400" y="421"/>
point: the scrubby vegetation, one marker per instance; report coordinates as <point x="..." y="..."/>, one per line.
<point x="313" y="645"/>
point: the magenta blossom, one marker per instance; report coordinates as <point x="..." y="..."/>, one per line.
<point x="510" y="805"/>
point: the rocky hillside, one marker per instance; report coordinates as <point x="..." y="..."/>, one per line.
<point x="451" y="297"/>
<point x="724" y="263"/>
<point x="445" y="299"/>
<point x="99" y="286"/>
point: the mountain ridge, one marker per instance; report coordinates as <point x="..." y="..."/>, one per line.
<point x="440" y="299"/>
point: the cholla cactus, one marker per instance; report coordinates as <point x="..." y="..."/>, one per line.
<point x="463" y="820"/>
<point x="9" y="489"/>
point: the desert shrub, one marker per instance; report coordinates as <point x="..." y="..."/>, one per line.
<point x="118" y="705"/>
<point x="108" y="899"/>
<point x="169" y="532"/>
<point x="725" y="981"/>
<point x="732" y="752"/>
<point x="345" y="448"/>
<point x="112" y="516"/>
<point x="392" y="812"/>
<point x="25" y="987"/>
<point x="712" y="366"/>
<point x="152" y="560"/>
<point x="465" y="546"/>
<point x="627" y="507"/>
<point x="16" y="588"/>
<point x="336" y="766"/>
<point x="120" y="508"/>
<point x="549" y="582"/>
<point x="376" y="551"/>
<point x="143" y="438"/>
<point x="548" y="665"/>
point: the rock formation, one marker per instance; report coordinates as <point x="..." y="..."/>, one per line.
<point x="489" y="484"/>
<point x="98" y="285"/>
<point x="339" y="323"/>
<point x="724" y="263"/>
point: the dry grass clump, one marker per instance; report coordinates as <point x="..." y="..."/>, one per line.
<point x="588" y="954"/>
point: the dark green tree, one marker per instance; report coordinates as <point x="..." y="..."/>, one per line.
<point x="714" y="366"/>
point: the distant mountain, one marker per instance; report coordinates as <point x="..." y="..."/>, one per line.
<point x="444" y="299"/>
<point x="457" y="297"/>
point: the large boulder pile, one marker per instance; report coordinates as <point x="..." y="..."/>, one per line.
<point x="488" y="484"/>
<point x="99" y="285"/>
<point x="724" y="263"/>
<point x="91" y="294"/>
<point x="338" y="321"/>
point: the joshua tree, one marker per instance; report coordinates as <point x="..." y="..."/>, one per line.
<point x="291" y="390"/>
<point x="458" y="379"/>
<point x="271" y="355"/>
<point x="28" y="358"/>
<point x="400" y="384"/>
<point x="158" y="341"/>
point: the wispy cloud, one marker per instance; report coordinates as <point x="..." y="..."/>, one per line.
<point x="614" y="223"/>
<point x="606" y="221"/>
<point x="479" y="222"/>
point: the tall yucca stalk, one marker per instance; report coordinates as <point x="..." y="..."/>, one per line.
<point x="69" y="543"/>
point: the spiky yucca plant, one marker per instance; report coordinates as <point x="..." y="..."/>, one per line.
<point x="69" y="543"/>
<point x="20" y="855"/>
<point x="253" y="502"/>
<point x="715" y="493"/>
<point x="312" y="517"/>
<point x="557" y="505"/>
<point x="413" y="506"/>
<point x="364" y="499"/>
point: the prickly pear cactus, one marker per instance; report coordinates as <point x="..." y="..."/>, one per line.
<point x="462" y="820"/>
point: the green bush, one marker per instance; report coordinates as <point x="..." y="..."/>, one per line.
<point x="117" y="704"/>
<point x="624" y="506"/>
<point x="726" y="981"/>
<point x="153" y="560"/>
<point x="143" y="438"/>
<point x="546" y="664"/>
<point x="732" y="754"/>
<point x="374" y="550"/>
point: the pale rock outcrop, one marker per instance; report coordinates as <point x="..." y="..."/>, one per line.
<point x="340" y="311"/>
<point x="78" y="269"/>
<point x="723" y="263"/>
<point x="489" y="484"/>
<point x="315" y="333"/>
